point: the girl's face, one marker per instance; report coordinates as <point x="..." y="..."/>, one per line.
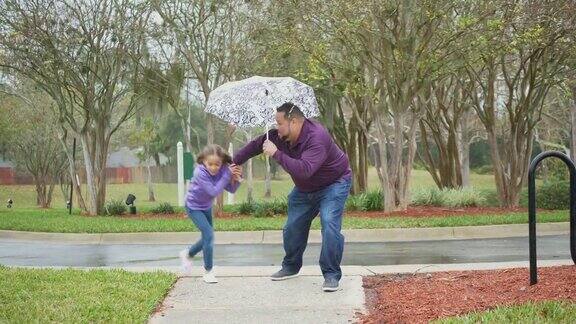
<point x="213" y="163"/>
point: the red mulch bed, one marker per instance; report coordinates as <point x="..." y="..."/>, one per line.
<point x="421" y="298"/>
<point x="412" y="211"/>
<point x="165" y="216"/>
<point x="431" y="211"/>
<point x="170" y="216"/>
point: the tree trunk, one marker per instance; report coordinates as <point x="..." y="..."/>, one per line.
<point x="362" y="162"/>
<point x="498" y="168"/>
<point x="90" y="176"/>
<point x="407" y="172"/>
<point x="49" y="196"/>
<point x="72" y="171"/>
<point x="101" y="178"/>
<point x="38" y="195"/>
<point x="442" y="105"/>
<point x="396" y="157"/>
<point x="186" y="130"/>
<point x="353" y="137"/>
<point x="399" y="175"/>
<point x="382" y="166"/>
<point x="41" y="194"/>
<point x="95" y="149"/>
<point x="351" y="152"/>
<point x="356" y="151"/>
<point x="77" y="192"/>
<point x="219" y="207"/>
<point x="488" y="109"/>
<point x="150" y="185"/>
<point x="464" y="148"/>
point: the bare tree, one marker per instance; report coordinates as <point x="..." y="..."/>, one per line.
<point x="207" y="34"/>
<point x="32" y="141"/>
<point x="397" y="45"/>
<point x="82" y="54"/>
<point x="513" y="73"/>
<point x="445" y="124"/>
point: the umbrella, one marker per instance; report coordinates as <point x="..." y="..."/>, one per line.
<point x="252" y="102"/>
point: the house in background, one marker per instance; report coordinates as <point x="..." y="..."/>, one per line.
<point x="123" y="166"/>
<point x="7" y="171"/>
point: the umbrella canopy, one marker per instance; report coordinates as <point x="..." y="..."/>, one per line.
<point x="252" y="102"/>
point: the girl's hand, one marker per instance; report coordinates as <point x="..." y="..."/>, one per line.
<point x="236" y="172"/>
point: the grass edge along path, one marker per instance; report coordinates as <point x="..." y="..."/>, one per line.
<point x="57" y="222"/>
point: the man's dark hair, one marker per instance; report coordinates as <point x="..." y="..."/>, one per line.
<point x="290" y="111"/>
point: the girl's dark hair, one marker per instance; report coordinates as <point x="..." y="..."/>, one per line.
<point x="214" y="149"/>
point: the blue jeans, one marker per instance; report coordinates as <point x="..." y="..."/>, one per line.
<point x="302" y="208"/>
<point x="203" y="220"/>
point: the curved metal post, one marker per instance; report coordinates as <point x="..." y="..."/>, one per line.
<point x="532" y="208"/>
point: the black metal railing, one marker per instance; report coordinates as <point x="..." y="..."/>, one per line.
<point x="532" y="208"/>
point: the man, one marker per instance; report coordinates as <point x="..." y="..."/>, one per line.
<point x="322" y="177"/>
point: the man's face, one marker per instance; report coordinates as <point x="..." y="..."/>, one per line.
<point x="283" y="126"/>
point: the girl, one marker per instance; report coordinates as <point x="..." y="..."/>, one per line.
<point x="213" y="174"/>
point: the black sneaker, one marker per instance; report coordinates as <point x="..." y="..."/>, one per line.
<point x="283" y="274"/>
<point x="330" y="284"/>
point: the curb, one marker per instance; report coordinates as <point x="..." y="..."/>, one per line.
<point x="275" y="237"/>
<point x="314" y="270"/>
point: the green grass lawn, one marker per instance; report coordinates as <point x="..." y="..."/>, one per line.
<point x="24" y="196"/>
<point x="36" y="220"/>
<point x="76" y="296"/>
<point x="24" y="216"/>
<point x="541" y="312"/>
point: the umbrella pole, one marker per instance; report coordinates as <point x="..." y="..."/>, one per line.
<point x="267" y="138"/>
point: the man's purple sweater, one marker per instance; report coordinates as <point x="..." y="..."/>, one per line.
<point x="204" y="187"/>
<point x="314" y="161"/>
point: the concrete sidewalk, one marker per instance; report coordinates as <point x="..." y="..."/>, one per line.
<point x="275" y="237"/>
<point x="249" y="296"/>
<point x="259" y="300"/>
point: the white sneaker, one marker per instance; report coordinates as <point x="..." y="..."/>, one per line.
<point x="209" y="277"/>
<point x="186" y="262"/>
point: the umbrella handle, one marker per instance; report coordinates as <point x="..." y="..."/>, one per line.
<point x="267" y="138"/>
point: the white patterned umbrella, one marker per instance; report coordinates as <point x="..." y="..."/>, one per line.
<point x="252" y="102"/>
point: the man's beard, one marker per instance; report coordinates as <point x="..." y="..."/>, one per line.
<point x="285" y="137"/>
